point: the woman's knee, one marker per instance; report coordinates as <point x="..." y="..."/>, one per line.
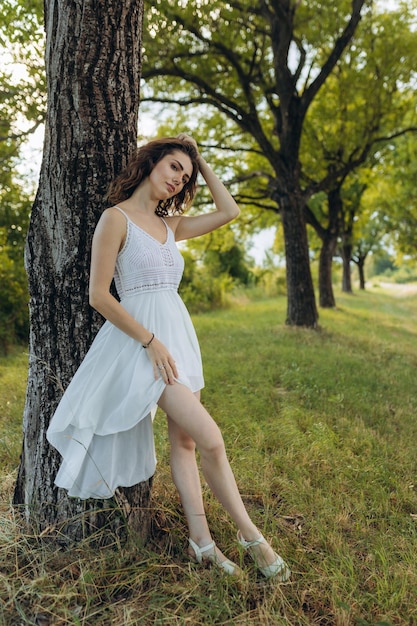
<point x="185" y="443"/>
<point x="179" y="439"/>
<point x="213" y="447"/>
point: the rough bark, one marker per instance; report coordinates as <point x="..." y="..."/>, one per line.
<point x="93" y="67"/>
<point x="301" y="303"/>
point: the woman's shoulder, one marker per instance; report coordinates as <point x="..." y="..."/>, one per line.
<point x="114" y="215"/>
<point x="112" y="222"/>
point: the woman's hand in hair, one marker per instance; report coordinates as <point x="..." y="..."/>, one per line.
<point x="188" y="139"/>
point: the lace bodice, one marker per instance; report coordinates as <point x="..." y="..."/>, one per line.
<point x="145" y="264"/>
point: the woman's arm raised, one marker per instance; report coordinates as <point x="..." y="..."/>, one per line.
<point x="186" y="227"/>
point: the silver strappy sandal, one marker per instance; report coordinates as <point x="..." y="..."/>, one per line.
<point x="278" y="568"/>
<point x="227" y="566"/>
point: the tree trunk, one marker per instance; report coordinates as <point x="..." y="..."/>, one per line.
<point x="301" y="304"/>
<point x="93" y="67"/>
<point x="361" y="270"/>
<point x="326" y="294"/>
<point x="328" y="236"/>
<point x="347" y="274"/>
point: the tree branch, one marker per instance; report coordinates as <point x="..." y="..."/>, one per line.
<point x="229" y="56"/>
<point x="247" y="201"/>
<point x="312" y="220"/>
<point x="338" y="49"/>
<point x="250" y="176"/>
<point x="339" y="174"/>
<point x="205" y="100"/>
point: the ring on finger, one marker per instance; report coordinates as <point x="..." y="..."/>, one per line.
<point x="161" y="367"/>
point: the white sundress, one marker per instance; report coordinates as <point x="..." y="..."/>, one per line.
<point x="103" y="424"/>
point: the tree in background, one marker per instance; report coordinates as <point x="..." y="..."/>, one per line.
<point x="349" y="212"/>
<point x="369" y="101"/>
<point x="93" y="72"/>
<point x="309" y="104"/>
<point x="368" y="241"/>
<point x="261" y="66"/>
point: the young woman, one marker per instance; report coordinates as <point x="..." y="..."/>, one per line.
<point x="146" y="354"/>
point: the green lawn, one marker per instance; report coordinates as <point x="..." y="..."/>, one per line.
<point x="321" y="431"/>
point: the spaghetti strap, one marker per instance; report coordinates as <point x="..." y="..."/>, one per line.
<point x="129" y="220"/>
<point x="168" y="229"/>
<point x="121" y="211"/>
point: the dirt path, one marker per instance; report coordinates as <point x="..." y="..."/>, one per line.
<point x="399" y="290"/>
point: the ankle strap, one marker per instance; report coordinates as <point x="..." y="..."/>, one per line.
<point x="197" y="548"/>
<point x="250" y="544"/>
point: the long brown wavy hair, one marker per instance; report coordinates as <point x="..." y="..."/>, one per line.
<point x="141" y="164"/>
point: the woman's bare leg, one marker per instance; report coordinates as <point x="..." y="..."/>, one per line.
<point x="189" y="415"/>
<point x="186" y="478"/>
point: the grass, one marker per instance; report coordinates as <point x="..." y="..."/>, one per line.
<point x="321" y="431"/>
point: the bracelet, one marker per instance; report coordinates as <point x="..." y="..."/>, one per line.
<point x="146" y="345"/>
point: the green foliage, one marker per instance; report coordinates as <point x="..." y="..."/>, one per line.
<point x="223" y="59"/>
<point x="21" y="22"/>
<point x="22" y="109"/>
<point x="395" y="195"/>
<point x="383" y="263"/>
<point x="22" y="78"/>
<point x="215" y="265"/>
<point x="351" y="121"/>
<point x="202" y="289"/>
<point x="22" y="75"/>
<point x="14" y="318"/>
<point x="369" y="237"/>
<point x="207" y="292"/>
<point x="320" y="429"/>
<point x="197" y="38"/>
<point x="13" y="377"/>
<point x="270" y="282"/>
<point x="361" y="101"/>
<point x="15" y="207"/>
